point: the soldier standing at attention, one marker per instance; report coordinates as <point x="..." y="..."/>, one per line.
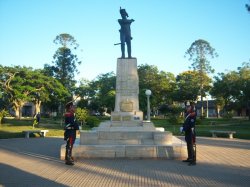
<point x="70" y="128"/>
<point x="189" y="129"/>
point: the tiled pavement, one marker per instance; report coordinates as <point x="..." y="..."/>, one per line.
<point x="35" y="162"/>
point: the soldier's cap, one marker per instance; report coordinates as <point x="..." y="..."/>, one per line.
<point x="123" y="11"/>
<point x="69" y="104"/>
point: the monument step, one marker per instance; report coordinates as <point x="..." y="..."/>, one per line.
<point x="127" y="151"/>
<point x="125" y="137"/>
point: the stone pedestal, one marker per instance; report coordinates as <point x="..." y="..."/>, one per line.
<point x="127" y="90"/>
<point x="144" y="141"/>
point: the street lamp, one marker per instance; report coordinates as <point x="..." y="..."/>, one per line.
<point x="148" y="93"/>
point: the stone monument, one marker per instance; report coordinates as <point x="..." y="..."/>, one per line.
<point x="126" y="135"/>
<point x="127" y="89"/>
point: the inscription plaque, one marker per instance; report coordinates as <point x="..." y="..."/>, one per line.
<point x="127" y="106"/>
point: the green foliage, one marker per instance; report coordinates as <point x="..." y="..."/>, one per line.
<point x="3" y="113"/>
<point x="160" y="83"/>
<point x="198" y="52"/>
<point x="188" y="86"/>
<point x="233" y="87"/>
<point x="92" y="121"/>
<point x="174" y="114"/>
<point x="198" y="121"/>
<point x="66" y="40"/>
<point x="22" y="84"/>
<point x="175" y="119"/>
<point x="65" y="62"/>
<point x="105" y="85"/>
<point x="228" y="115"/>
<point x="102" y="92"/>
<point x="81" y="115"/>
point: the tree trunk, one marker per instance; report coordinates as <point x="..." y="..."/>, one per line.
<point x="248" y="108"/>
<point x="38" y="106"/>
<point x="202" y="109"/>
<point x="18" y="109"/>
<point x="248" y="113"/>
<point x="218" y="111"/>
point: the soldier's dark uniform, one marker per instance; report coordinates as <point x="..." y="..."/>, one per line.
<point x="70" y="128"/>
<point x="189" y="129"/>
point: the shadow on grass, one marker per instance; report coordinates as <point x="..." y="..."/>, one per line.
<point x="7" y="134"/>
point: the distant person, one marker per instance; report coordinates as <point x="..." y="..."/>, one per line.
<point x="70" y="128"/>
<point x="189" y="129"/>
<point x="36" y="119"/>
<point x="125" y="32"/>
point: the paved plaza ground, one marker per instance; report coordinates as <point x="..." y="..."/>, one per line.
<point x="35" y="162"/>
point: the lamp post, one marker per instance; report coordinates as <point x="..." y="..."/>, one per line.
<point x="148" y="93"/>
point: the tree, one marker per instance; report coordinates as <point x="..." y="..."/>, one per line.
<point x="15" y="86"/>
<point x="104" y="87"/>
<point x="243" y="85"/>
<point x="22" y="84"/>
<point x="84" y="92"/>
<point x="55" y="94"/>
<point x="65" y="62"/>
<point x="188" y="86"/>
<point x="98" y="94"/>
<point x="81" y="115"/>
<point x="3" y="113"/>
<point x="160" y="83"/>
<point x="225" y="89"/>
<point x="198" y="52"/>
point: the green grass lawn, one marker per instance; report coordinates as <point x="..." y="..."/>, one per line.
<point x="12" y="128"/>
<point x="241" y="126"/>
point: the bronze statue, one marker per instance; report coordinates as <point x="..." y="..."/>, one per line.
<point x="125" y="32"/>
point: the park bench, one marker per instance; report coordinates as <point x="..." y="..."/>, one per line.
<point x="42" y="133"/>
<point x="215" y="132"/>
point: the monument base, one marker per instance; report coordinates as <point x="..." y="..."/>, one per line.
<point x="120" y="118"/>
<point x="142" y="141"/>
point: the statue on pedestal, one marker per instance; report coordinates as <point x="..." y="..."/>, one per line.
<point x="125" y="32"/>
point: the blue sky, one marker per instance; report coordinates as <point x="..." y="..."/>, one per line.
<point x="162" y="32"/>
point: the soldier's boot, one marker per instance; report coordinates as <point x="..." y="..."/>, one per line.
<point x="71" y="157"/>
<point x="68" y="157"/>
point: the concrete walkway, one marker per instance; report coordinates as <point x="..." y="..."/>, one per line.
<point x="35" y="162"/>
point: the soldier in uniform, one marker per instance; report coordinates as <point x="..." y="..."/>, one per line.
<point x="189" y="129"/>
<point x="70" y="128"/>
<point x="125" y="32"/>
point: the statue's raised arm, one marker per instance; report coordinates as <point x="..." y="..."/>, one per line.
<point x="125" y="32"/>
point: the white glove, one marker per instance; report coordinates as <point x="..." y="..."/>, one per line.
<point x="181" y="129"/>
<point x="192" y="129"/>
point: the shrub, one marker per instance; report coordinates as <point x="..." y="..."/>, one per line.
<point x="198" y="121"/>
<point x="174" y="119"/>
<point x="228" y="115"/>
<point x="92" y="121"/>
<point x="3" y="113"/>
<point x="81" y="115"/>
